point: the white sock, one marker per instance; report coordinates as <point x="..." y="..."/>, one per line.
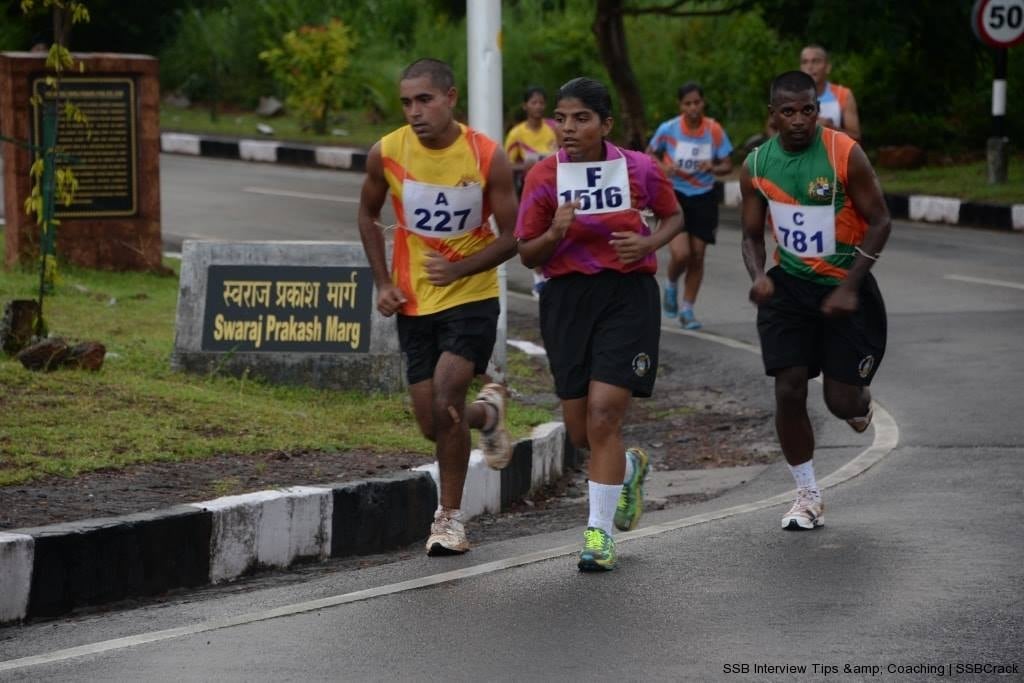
<point x="630" y="469"/>
<point x="687" y="305"/>
<point x="603" y="500"/>
<point x="803" y="474"/>
<point x="669" y="284"/>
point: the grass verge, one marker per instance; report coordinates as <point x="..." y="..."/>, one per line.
<point x="136" y="410"/>
<point x="357" y="131"/>
<point x="966" y="181"/>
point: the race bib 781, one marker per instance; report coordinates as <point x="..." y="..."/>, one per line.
<point x="804" y="231"/>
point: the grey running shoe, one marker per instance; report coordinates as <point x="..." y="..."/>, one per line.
<point x="859" y="424"/>
<point x="447" y="534"/>
<point x="495" y="443"/>
<point x="808" y="512"/>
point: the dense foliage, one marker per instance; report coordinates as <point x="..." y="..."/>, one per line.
<point x="312" y="63"/>
<point x="919" y="74"/>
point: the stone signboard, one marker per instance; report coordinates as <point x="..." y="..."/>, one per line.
<point x="285" y="312"/>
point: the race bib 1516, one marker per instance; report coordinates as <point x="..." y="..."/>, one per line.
<point x="600" y="186"/>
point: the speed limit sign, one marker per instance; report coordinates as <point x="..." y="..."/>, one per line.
<point x="998" y="23"/>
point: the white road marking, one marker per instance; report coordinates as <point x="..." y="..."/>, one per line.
<point x="984" y="281"/>
<point x="301" y="195"/>
<point x="886" y="438"/>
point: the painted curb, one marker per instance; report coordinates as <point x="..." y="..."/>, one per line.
<point x="264" y="151"/>
<point x="16" y="555"/>
<point x="380" y="514"/>
<point x="268" y="529"/>
<point x="97" y="561"/>
<point x="51" y="570"/>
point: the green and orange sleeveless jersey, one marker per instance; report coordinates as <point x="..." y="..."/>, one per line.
<point x="816" y="176"/>
<point x="464" y="164"/>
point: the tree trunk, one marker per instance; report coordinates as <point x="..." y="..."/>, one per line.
<point x="610" y="32"/>
<point x="62" y="26"/>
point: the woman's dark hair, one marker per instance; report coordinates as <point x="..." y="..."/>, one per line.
<point x="533" y="90"/>
<point x="591" y="93"/>
<point x="688" y="87"/>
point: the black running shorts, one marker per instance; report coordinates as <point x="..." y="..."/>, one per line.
<point x="700" y="215"/>
<point x="467" y="331"/>
<point x="603" y="327"/>
<point x="794" y="333"/>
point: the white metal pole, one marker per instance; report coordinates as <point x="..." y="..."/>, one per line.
<point x="483" y="34"/>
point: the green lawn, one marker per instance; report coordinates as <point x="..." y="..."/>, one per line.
<point x="135" y="409"/>
<point x="357" y="131"/>
<point x="966" y="181"/>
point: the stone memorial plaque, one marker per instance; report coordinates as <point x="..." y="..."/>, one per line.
<point x="104" y="150"/>
<point x="114" y="221"/>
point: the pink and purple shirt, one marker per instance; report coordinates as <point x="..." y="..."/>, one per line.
<point x="585" y="248"/>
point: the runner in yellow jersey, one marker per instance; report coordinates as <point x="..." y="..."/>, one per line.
<point x="445" y="181"/>
<point x="527" y="143"/>
<point x="819" y="309"/>
<point x="535" y="138"/>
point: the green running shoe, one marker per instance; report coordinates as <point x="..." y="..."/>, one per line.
<point x="631" y="500"/>
<point x="598" y="552"/>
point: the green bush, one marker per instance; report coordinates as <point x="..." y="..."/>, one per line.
<point x="918" y="78"/>
<point x="312" y="65"/>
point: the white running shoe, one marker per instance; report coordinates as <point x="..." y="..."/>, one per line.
<point x="808" y="512"/>
<point x="447" y="534"/>
<point x="859" y="424"/>
<point x="495" y="443"/>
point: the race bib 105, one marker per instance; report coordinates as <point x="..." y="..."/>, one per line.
<point x="689" y="155"/>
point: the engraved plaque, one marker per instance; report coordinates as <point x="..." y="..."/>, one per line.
<point x="288" y="308"/>
<point x="104" y="150"/>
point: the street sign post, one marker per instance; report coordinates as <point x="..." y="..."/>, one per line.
<point x="1000" y="25"/>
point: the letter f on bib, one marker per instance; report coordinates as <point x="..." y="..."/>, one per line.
<point x="593" y="175"/>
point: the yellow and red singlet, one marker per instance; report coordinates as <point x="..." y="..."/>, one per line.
<point x="441" y="205"/>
